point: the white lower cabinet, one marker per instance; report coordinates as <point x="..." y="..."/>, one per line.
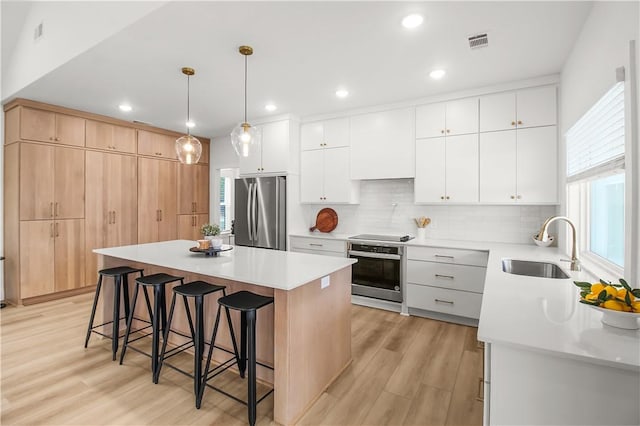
<point x="322" y="246"/>
<point x="324" y="177"/>
<point x="447" y="169"/>
<point x="453" y="302"/>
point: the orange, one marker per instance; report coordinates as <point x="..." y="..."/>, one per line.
<point x="613" y="305"/>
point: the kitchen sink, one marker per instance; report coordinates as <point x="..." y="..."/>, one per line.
<point x="533" y="269"/>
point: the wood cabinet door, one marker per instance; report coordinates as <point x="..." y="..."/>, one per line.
<point x="312" y="176"/>
<point x="204" y="158"/>
<point x="462" y="117"/>
<point x="537" y="165"/>
<point x="498" y="167"/>
<point x="430" y="120"/>
<point x="498" y="112"/>
<point x="69" y="130"/>
<point x="275" y="147"/>
<point x="69" y="187"/>
<point x="36" y="258"/>
<point x="97" y="219"/>
<point x="36" y="181"/>
<point x="202" y="189"/>
<point x="156" y="145"/>
<point x="312" y="136"/>
<point x="536" y="107"/>
<point x="337" y="182"/>
<point x="167" y="203"/>
<point x="187" y="227"/>
<point x="69" y="254"/>
<point x="148" y="200"/>
<point x="122" y="199"/>
<point x="37" y="125"/>
<point x="193" y="189"/>
<point x="110" y="137"/>
<point x="461" y="167"/>
<point x="429" y="184"/>
<point x="336" y="133"/>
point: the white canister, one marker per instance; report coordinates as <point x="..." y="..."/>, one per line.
<point x="422" y="233"/>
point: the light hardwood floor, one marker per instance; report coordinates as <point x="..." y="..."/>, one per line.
<point x="405" y="370"/>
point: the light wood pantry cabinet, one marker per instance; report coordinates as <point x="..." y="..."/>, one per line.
<point x="189" y="226"/>
<point x="383" y="145"/>
<point x="325" y="134"/>
<point x="520" y="109"/>
<point x="63" y="199"/>
<point x="51" y="182"/>
<point x="110" y="137"/>
<point x="157" y="208"/>
<point x="193" y="189"/>
<point x="457" y="117"/>
<point x="111" y="208"/>
<point x="272" y="156"/>
<point x="324" y="177"/>
<point x="519" y="166"/>
<point x="447" y="169"/>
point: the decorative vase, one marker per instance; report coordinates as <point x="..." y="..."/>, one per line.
<point x="422" y="233"/>
<point x="216" y="241"/>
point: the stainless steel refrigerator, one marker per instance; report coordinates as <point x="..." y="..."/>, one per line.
<point x="260" y="212"/>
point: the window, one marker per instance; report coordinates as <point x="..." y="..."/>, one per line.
<point x="596" y="183"/>
<point x="226" y="191"/>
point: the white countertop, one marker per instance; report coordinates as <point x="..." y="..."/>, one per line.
<point x="541" y="314"/>
<point x="282" y="270"/>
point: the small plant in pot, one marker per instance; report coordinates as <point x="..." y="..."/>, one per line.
<point x="211" y="232"/>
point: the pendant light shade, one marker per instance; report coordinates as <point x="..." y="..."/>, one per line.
<point x="188" y="148"/>
<point x="244" y="136"/>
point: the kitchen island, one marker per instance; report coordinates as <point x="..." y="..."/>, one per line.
<point x="305" y="335"/>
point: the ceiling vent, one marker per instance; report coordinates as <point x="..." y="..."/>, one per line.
<point x="479" y="40"/>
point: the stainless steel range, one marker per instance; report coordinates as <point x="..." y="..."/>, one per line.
<point x="379" y="270"/>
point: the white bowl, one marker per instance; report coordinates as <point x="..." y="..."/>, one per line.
<point x="619" y="319"/>
<point x="547" y="243"/>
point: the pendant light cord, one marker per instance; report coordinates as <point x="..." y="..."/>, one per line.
<point x="245" y="88"/>
<point x="188" y="103"/>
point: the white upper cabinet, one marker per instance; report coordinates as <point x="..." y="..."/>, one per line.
<point x="447" y="169"/>
<point x="383" y="145"/>
<point x="525" y="108"/>
<point x="447" y="118"/>
<point x="324" y="177"/>
<point x="519" y="166"/>
<point x="325" y="134"/>
<point x="272" y="156"/>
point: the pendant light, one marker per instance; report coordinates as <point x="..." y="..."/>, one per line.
<point x="244" y="136"/>
<point x="188" y="148"/>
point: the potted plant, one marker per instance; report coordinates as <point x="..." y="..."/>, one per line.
<point x="210" y="231"/>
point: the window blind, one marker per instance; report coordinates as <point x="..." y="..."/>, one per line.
<point x="595" y="144"/>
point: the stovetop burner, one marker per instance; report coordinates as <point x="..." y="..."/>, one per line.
<point x="374" y="237"/>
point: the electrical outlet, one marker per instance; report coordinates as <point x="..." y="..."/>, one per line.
<point x="38" y="31"/>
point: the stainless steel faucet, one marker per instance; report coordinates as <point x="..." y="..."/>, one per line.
<point x="544" y="236"/>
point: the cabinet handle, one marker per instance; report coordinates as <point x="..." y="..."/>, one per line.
<point x="442" y="131"/>
<point x="50" y="138"/>
<point x="114" y="217"/>
<point x="442" y="197"/>
<point x="445" y="256"/>
<point x="57" y="138"/>
<point x="448" y="131"/>
<point x="51" y="208"/>
<point x="480" y="395"/>
<point x="157" y="215"/>
<point x="160" y="215"/>
<point x="56" y="209"/>
<point x="513" y="197"/>
<point x="448" y="302"/>
<point x="51" y="231"/>
<point x="315" y="245"/>
<point x="519" y="121"/>
<point x="193" y="207"/>
<point x="519" y="197"/>
<point x="447" y="197"/>
<point x="445" y="276"/>
<point x="57" y="233"/>
<point x="513" y="123"/>
<point x="109" y="217"/>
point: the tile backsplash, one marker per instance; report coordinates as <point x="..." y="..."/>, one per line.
<point x="386" y="206"/>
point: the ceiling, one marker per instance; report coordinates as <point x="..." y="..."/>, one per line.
<point x="304" y="51"/>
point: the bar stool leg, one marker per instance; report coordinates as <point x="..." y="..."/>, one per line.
<point x="208" y="362"/>
<point x="159" y="315"/>
<point x="251" y="337"/>
<point x="165" y="338"/>
<point x="125" y="295"/>
<point x="233" y="336"/>
<point x="115" y="333"/>
<point x="93" y="310"/>
<point x="198" y="344"/>
<point x="242" y="365"/>
<point x="125" y="342"/>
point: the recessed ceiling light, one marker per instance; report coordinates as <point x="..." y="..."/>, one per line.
<point x="412" y="21"/>
<point x="125" y="107"/>
<point x="342" y="93"/>
<point x="190" y="124"/>
<point x="437" y="74"/>
<point x="270" y="107"/>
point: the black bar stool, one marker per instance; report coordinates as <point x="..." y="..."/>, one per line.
<point x="120" y="276"/>
<point x="158" y="315"/>
<point x="197" y="290"/>
<point x="247" y="303"/>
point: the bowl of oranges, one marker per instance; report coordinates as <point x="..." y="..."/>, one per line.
<point x="618" y="302"/>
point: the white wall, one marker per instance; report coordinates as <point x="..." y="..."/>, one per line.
<point x="222" y="156"/>
<point x="70" y="28"/>
<point x="589" y="71"/>
<point x="386" y="206"/>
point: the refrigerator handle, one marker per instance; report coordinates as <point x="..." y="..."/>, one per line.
<point x="255" y="212"/>
<point x="249" y="211"/>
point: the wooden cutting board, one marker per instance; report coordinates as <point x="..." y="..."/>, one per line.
<point x="326" y="221"/>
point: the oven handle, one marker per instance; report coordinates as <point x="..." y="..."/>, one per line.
<point x="374" y="255"/>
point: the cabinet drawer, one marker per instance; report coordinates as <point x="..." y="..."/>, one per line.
<point x="452" y="302"/>
<point x="319" y="252"/>
<point x="449" y="276"/>
<point x="318" y="244"/>
<point x="448" y="255"/>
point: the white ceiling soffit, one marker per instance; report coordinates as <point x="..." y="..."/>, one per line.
<point x="304" y="51"/>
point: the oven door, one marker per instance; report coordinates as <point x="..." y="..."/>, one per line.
<point x="376" y="275"/>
